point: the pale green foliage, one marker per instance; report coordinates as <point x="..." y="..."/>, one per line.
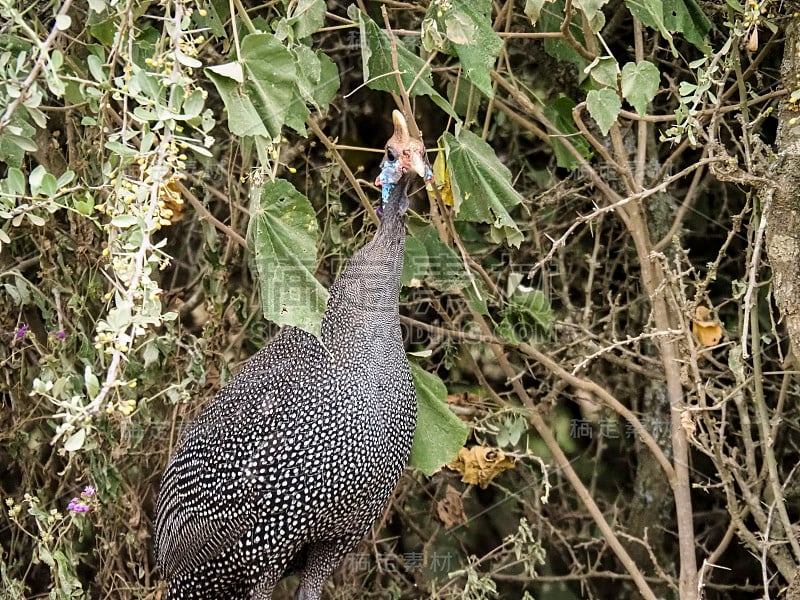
<point x="604" y="106"/>
<point x="526" y="548"/>
<point x="604" y="70"/>
<point x="640" y="84"/>
<point x="694" y="95"/>
<point x="476" y="587"/>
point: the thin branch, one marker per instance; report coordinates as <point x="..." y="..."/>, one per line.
<point x="44" y="56"/>
<point x="365" y="202"/>
<point x="205" y="214"/>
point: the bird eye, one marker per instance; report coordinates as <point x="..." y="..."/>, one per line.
<point x="391" y="154"/>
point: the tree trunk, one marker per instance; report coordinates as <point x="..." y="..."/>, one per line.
<point x="783" y="211"/>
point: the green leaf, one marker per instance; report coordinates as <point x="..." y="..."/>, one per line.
<point x="673" y="16"/>
<point x="459" y="28"/>
<point x="91" y="382"/>
<point x="526" y="317"/>
<point x="376" y="56"/>
<point x="309" y="67"/>
<point x="271" y="80"/>
<point x="439" y="433"/>
<point x="124" y="221"/>
<point x="481" y="184"/>
<point x="285" y="231"/>
<point x="651" y="13"/>
<point x="535" y="304"/>
<point x="591" y="8"/>
<point x="532" y="10"/>
<point x="686" y="17"/>
<point x="317" y="76"/>
<point x="35" y="179"/>
<point x="84" y="207"/>
<point x="25" y="144"/>
<point x="267" y="98"/>
<point x="416" y="262"/>
<point x="550" y="21"/>
<point x="121" y="149"/>
<point x="307" y="17"/>
<point x="604" y="70"/>
<point x="193" y="104"/>
<point x="17" y="139"/>
<point x="445" y="270"/>
<point x="16" y="181"/>
<point x="468" y="28"/>
<point x="640" y="84"/>
<point x="329" y="81"/>
<point x="75" y="441"/>
<point x="231" y="70"/>
<point x="45" y="556"/>
<point x="97" y="68"/>
<point x="49" y="185"/>
<point x="559" y="113"/>
<point x="604" y="106"/>
<point x="65" y="178"/>
<point x="735" y="5"/>
<point x="63" y="22"/>
<point x="35" y="219"/>
<point x="243" y="117"/>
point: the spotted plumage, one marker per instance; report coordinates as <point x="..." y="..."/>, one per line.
<point x="288" y="466"/>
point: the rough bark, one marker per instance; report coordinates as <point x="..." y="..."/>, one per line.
<point x="783" y="213"/>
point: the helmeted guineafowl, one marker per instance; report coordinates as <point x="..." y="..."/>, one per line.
<point x="292" y="461"/>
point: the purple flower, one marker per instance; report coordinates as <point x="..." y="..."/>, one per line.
<point x="58" y="334"/>
<point x="75" y="505"/>
<point x="21" y="331"/>
<point x="88" y="491"/>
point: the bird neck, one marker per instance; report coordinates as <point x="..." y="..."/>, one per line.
<point x="362" y="314"/>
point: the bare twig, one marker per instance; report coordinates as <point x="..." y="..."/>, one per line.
<point x="205" y="214"/>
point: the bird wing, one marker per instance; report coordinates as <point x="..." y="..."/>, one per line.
<point x="231" y="462"/>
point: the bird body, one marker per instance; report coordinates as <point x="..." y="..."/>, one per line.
<point x="288" y="466"/>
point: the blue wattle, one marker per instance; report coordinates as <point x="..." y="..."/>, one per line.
<point x="390" y="174"/>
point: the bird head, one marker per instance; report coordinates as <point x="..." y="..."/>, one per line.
<point x="404" y="154"/>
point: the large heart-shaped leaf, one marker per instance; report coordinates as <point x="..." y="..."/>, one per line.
<point x="481" y="184"/>
<point x="262" y="90"/>
<point x="468" y="28"/>
<point x="284" y="231"/>
<point x="439" y="433"/>
<point x="376" y="55"/>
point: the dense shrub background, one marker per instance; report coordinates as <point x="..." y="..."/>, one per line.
<point x="603" y="290"/>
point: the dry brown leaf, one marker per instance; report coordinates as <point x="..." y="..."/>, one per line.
<point x="479" y="465"/>
<point x="450" y="509"/>
<point x="707" y="330"/>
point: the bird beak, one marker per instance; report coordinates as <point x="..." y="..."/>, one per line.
<point x="421" y="166"/>
<point x="412" y="150"/>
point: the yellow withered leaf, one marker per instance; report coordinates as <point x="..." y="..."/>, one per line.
<point x="479" y="465"/>
<point x="707" y="330"/>
<point x="441" y="179"/>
